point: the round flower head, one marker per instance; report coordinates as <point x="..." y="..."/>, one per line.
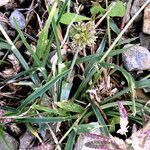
<point x="83" y="34"/>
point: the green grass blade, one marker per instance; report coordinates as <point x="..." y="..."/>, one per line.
<point x="45" y="119"/>
<point x="71" y="141"/>
<point x="48" y="47"/>
<point x="3" y="139"/>
<point x="130" y="80"/>
<point x="14" y="49"/>
<point x="43" y="39"/>
<point x="54" y="27"/>
<point x="99" y="117"/>
<point x="36" y="60"/>
<point x="84" y="83"/>
<point x="4" y="45"/>
<point x="41" y="90"/>
<point x="26" y="72"/>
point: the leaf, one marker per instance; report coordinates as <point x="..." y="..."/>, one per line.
<point x="49" y="110"/>
<point x="86" y="128"/>
<point x="4" y="45"/>
<point x="114" y="27"/>
<point x="113" y="122"/>
<point x="97" y="9"/>
<point x="99" y="118"/>
<point x="68" y="17"/>
<point x="70" y="106"/>
<point x="71" y="141"/>
<point x="4" y="140"/>
<point x="118" y="10"/>
<point x="43" y="38"/>
<point x="65" y="92"/>
<point x="45" y="119"/>
<point x="41" y="90"/>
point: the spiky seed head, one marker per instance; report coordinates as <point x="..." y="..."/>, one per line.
<point x="83" y="34"/>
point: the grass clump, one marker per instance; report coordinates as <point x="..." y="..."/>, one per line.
<point x="71" y="75"/>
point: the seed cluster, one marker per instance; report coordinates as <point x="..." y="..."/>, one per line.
<point x="83" y="34"/>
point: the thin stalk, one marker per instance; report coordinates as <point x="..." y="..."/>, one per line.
<point x="69" y="26"/>
<point x="18" y="54"/>
<point x="105" y="15"/>
<point x="57" y="43"/>
<point x="74" y="125"/>
<point x="108" y="26"/>
<point x="73" y="63"/>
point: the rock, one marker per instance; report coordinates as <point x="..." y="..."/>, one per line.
<point x="4" y="2"/>
<point x="96" y="140"/>
<point x="4" y="25"/>
<point x="146" y="22"/>
<point x="19" y="18"/>
<point x="83" y="138"/>
<point x="12" y="142"/>
<point x="145" y="40"/>
<point x="25" y="141"/>
<point x="136" y="58"/>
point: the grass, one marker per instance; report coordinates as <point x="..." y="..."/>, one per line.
<point x="53" y="82"/>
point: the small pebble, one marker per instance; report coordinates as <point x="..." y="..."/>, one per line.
<point x="146" y="22"/>
<point x="137" y="58"/>
<point x="19" y="18"/>
<point x="4" y="25"/>
<point x="145" y="40"/>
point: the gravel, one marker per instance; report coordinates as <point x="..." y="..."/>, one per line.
<point x="136" y="58"/>
<point x="19" y="18"/>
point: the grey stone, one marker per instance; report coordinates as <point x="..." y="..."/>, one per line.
<point x="145" y="40"/>
<point x="25" y="141"/>
<point x="95" y="140"/>
<point x="19" y="18"/>
<point x="12" y="142"/>
<point x="136" y="58"/>
<point x="4" y="25"/>
<point x="83" y="139"/>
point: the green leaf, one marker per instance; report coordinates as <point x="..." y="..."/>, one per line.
<point x="70" y="106"/>
<point x="65" y="92"/>
<point x="28" y="47"/>
<point x="45" y="119"/>
<point x="113" y="122"/>
<point x="71" y="141"/>
<point x="4" y="140"/>
<point x="118" y="10"/>
<point x="99" y="118"/>
<point x="86" y="128"/>
<point x="49" y="110"/>
<point x="43" y="38"/>
<point x="114" y="27"/>
<point x="68" y="17"/>
<point x="4" y="45"/>
<point x="97" y="9"/>
<point x="41" y="90"/>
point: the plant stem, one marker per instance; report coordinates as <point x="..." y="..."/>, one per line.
<point x="73" y="63"/>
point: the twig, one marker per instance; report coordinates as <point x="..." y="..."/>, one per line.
<point x="105" y="15"/>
